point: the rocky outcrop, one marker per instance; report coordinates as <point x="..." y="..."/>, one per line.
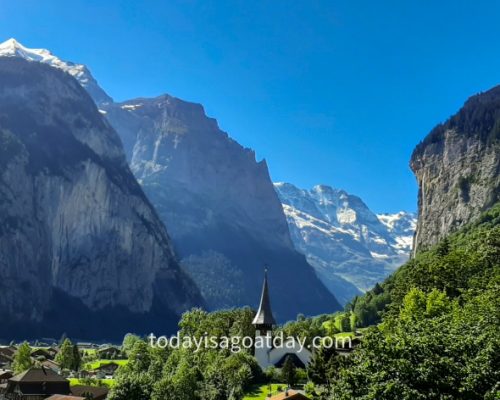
<point x="349" y="246"/>
<point x="458" y="169"/>
<point x="82" y="250"/>
<point x="219" y="205"/>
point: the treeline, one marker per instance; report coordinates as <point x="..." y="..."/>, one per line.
<point x="467" y="260"/>
<point x="185" y="374"/>
<point x="436" y="337"/>
<point x="480" y="116"/>
<point x="439" y="335"/>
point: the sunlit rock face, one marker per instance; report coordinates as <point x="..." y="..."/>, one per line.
<point x="79" y="240"/>
<point x="219" y="205"/>
<point x="457" y="167"/>
<point x="350" y="247"/>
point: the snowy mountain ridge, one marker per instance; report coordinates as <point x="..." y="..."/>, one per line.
<point x="12" y="48"/>
<point x="350" y="247"/>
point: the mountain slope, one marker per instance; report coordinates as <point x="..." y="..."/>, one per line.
<point x="219" y="205"/>
<point x="82" y="250"/>
<point x="458" y="169"/>
<point x="217" y="201"/>
<point x="350" y="247"/>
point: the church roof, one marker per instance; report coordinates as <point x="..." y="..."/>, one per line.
<point x="264" y="315"/>
<point x="295" y="359"/>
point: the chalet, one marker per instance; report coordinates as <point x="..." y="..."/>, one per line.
<point x="94" y="392"/>
<point x="106" y="370"/>
<point x="109" y="353"/>
<point x="36" y="384"/>
<point x="43" y="353"/>
<point x="290" y="395"/>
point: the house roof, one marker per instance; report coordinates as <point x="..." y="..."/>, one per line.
<point x="111" y="365"/>
<point x="38" y="375"/>
<point x="97" y="392"/>
<point x="51" y="364"/>
<point x="290" y="395"/>
<point x="64" y="397"/>
<point x="5" y="374"/>
<point x="108" y="348"/>
<point x="264" y="315"/>
<point x="40" y="352"/>
<point x="7" y="351"/>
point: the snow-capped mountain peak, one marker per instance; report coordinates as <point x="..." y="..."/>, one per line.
<point x="12" y="48"/>
<point x="350" y="247"/>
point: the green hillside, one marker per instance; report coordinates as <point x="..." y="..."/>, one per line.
<point x="466" y="261"/>
<point x="439" y="335"/>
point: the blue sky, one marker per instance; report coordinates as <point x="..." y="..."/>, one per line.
<point x="332" y="92"/>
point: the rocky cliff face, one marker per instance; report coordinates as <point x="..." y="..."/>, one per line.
<point x="349" y="246"/>
<point x="458" y="169"/>
<point x="82" y="250"/>
<point x="218" y="204"/>
<point x="217" y="201"/>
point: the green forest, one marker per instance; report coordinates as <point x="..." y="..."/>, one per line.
<point x="430" y="331"/>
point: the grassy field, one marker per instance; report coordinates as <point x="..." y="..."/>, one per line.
<point x="261" y="392"/>
<point x="75" y="381"/>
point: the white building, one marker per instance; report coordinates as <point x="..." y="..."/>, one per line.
<point x="266" y="354"/>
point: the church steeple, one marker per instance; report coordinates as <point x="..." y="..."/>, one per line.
<point x="264" y="319"/>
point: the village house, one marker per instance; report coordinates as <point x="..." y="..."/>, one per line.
<point x="109" y="353"/>
<point x="106" y="370"/>
<point x="35" y="384"/>
<point x="47" y="354"/>
<point x="290" y="395"/>
<point x="64" y="397"/>
<point x="94" y="392"/>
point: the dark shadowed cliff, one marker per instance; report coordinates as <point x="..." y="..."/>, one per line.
<point x="82" y="250"/>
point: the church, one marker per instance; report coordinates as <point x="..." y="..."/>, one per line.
<point x="266" y="354"/>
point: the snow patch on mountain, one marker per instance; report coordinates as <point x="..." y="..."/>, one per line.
<point x="350" y="247"/>
<point x="12" y="48"/>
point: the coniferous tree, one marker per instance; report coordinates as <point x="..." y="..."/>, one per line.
<point x="288" y="372"/>
<point x="22" y="358"/>
<point x="65" y="357"/>
<point x="77" y="359"/>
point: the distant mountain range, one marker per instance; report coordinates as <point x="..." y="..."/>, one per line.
<point x="350" y="247"/>
<point x="217" y="202"/>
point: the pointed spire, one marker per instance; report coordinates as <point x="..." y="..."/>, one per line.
<point x="264" y="317"/>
